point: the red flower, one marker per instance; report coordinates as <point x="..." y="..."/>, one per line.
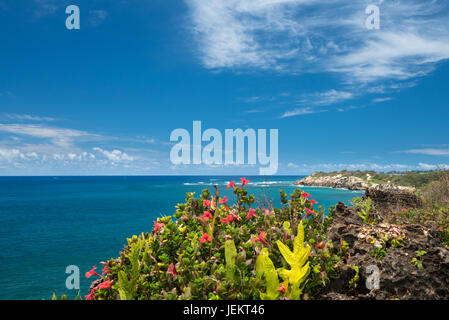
<point x="320" y="245"/>
<point x="261" y="238"/>
<point x="91" y="295"/>
<point x="105" y="268"/>
<point x="313" y="201"/>
<point x="207" y="215"/>
<point x="224" y="200"/>
<point x="244" y="181"/>
<point x="205" y="238"/>
<point x="226" y="220"/>
<point x="309" y="212"/>
<point x="158" y="225"/>
<point x="281" y="288"/>
<point x="92" y="272"/>
<point x="233" y="217"/>
<point x="172" y="270"/>
<point x="231" y="184"/>
<point x="206" y="203"/>
<point x="305" y="195"/>
<point x="229" y="218"/>
<point x="105" y="284"/>
<point x="252" y="213"/>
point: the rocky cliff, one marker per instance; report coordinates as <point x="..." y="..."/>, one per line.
<point x="347" y="182"/>
<point x="403" y="273"/>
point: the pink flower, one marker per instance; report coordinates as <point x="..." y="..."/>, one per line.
<point x="231" y="217"/>
<point x="266" y="211"/>
<point x="305" y="195"/>
<point x="172" y="270"/>
<point x="205" y="238"/>
<point x="92" y="272"/>
<point x="158" y="225"/>
<point x="91" y="295"/>
<point x="309" y="212"/>
<point x="252" y="213"/>
<point x="105" y="284"/>
<point x="207" y="215"/>
<point x="224" y="200"/>
<point x="281" y="288"/>
<point x="260" y="238"/>
<point x="320" y="245"/>
<point x="231" y="184"/>
<point x="395" y="230"/>
<point x="244" y="181"/>
<point x="206" y="203"/>
<point x="226" y="220"/>
<point x="105" y="268"/>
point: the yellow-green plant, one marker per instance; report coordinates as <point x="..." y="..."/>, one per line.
<point x="127" y="286"/>
<point x="265" y="269"/>
<point x="230" y="254"/>
<point x="299" y="267"/>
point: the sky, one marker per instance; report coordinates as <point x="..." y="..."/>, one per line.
<point x="104" y="99"/>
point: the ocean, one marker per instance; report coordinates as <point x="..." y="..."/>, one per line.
<point x="49" y="223"/>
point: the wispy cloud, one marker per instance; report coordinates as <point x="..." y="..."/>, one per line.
<point x="326" y="98"/>
<point x="327" y="167"/>
<point x="380" y="100"/>
<point x="59" y="136"/>
<point x="97" y="17"/>
<point x="297" y="36"/>
<point x="315" y="102"/>
<point x="46" y="7"/>
<point x="300" y="112"/>
<point x="428" y="151"/>
<point x="25" y="117"/>
<point x="115" y="155"/>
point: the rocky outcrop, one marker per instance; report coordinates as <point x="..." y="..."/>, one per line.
<point x="336" y="181"/>
<point x="399" y="277"/>
<point x="348" y="182"/>
<point x="388" y="199"/>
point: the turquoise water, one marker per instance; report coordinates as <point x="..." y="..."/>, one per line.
<point x="49" y="223"/>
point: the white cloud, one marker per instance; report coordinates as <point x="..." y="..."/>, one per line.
<point x="300" y="112"/>
<point x="60" y="137"/>
<point x="380" y="100"/>
<point x="297" y="36"/>
<point x="115" y="155"/>
<point x="26" y="117"/>
<point x="97" y="17"/>
<point x="429" y="151"/>
<point x="46" y="7"/>
<point x="425" y="166"/>
<point x="327" y="167"/>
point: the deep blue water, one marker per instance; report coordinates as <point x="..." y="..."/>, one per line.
<point x="48" y="223"/>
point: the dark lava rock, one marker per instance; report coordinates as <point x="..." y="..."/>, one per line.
<point x="389" y="199"/>
<point x="399" y="277"/>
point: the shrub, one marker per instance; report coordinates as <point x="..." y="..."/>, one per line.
<point x="210" y="250"/>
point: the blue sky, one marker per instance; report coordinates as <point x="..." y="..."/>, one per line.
<point x="104" y="99"/>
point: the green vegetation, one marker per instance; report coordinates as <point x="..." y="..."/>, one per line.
<point x="211" y="250"/>
<point x="435" y="199"/>
<point x="417" y="261"/>
<point x="363" y="207"/>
